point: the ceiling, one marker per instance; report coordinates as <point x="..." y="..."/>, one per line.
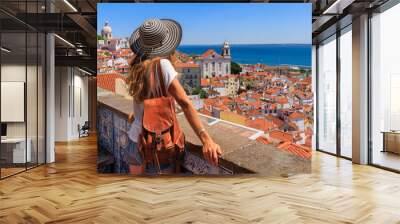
<point x="72" y="20"/>
<point x="332" y="15"/>
<point x="75" y="21"/>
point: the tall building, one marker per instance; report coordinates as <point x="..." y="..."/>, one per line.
<point x="232" y="85"/>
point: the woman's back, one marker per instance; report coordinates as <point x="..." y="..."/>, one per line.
<point x="150" y="41"/>
<point x="168" y="73"/>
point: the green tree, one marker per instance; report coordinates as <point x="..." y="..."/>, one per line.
<point x="99" y="37"/>
<point x="249" y="84"/>
<point x="203" y="94"/>
<point x="199" y="91"/>
<point x="196" y="91"/>
<point x="235" y="68"/>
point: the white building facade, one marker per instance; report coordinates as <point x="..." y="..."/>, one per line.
<point x="109" y="42"/>
<point x="213" y="64"/>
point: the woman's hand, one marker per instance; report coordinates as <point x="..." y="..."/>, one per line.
<point x="131" y="118"/>
<point x="211" y="152"/>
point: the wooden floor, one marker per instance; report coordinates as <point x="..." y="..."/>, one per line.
<point x="5" y="172"/>
<point x="70" y="191"/>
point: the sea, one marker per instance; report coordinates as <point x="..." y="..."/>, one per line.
<point x="269" y="54"/>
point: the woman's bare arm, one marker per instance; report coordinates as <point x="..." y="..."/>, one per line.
<point x="211" y="150"/>
<point x="131" y="117"/>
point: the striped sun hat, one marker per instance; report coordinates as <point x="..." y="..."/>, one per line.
<point x="156" y="37"/>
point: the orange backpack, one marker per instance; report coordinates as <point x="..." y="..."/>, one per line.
<point x="162" y="140"/>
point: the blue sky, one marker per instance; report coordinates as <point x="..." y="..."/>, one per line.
<point x="213" y="23"/>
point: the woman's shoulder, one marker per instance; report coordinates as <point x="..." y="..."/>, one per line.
<point x="166" y="64"/>
<point x="165" y="61"/>
<point x="168" y="70"/>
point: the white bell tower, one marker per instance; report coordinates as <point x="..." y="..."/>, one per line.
<point x="226" y="50"/>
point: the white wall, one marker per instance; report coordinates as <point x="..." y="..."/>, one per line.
<point x="12" y="73"/>
<point x="61" y="103"/>
<point x="33" y="127"/>
<point x="71" y="94"/>
<point x="79" y="115"/>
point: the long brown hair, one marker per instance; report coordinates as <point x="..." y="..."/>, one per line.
<point x="138" y="81"/>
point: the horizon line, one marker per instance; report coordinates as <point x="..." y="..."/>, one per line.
<point x="218" y="44"/>
<point x="248" y="44"/>
<point x="200" y="44"/>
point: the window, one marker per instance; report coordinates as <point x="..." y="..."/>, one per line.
<point x="22" y="67"/>
<point x="385" y="88"/>
<point x="334" y="109"/>
<point x="346" y="92"/>
<point x="327" y="96"/>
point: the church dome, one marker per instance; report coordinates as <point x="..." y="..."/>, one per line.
<point x="106" y="28"/>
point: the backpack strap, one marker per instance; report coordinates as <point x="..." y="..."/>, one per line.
<point x="156" y="80"/>
<point x="164" y="90"/>
<point x="152" y="90"/>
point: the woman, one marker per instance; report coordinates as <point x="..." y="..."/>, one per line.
<point x="152" y="40"/>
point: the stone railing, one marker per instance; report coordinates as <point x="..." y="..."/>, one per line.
<point x="112" y="126"/>
<point x="241" y="152"/>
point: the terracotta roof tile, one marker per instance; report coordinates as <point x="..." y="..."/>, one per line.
<point x="263" y="140"/>
<point x="282" y="100"/>
<point x="107" y="81"/>
<point x="209" y="52"/>
<point x="186" y="65"/>
<point x="298" y="150"/>
<point x="204" y="82"/>
<point x="217" y="84"/>
<point x="296" y="116"/>
<point x="260" y="124"/>
<point x="277" y="121"/>
<point x="281" y="136"/>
